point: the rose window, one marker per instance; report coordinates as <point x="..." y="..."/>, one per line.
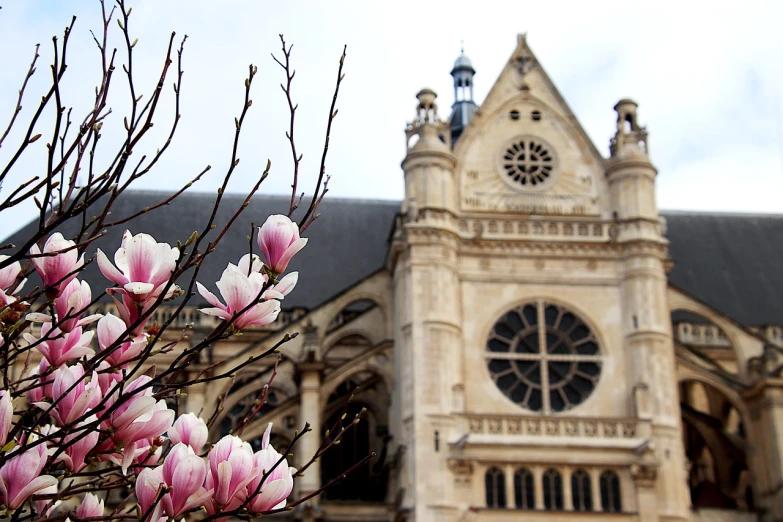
<point x="528" y="162"/>
<point x="543" y="357"/>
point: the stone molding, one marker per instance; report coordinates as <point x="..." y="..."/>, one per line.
<point x="548" y="427"/>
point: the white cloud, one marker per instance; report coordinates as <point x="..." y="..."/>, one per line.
<point x="706" y="79"/>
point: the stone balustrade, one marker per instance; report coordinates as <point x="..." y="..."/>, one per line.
<point x="707" y="335"/>
<point x="554" y="229"/>
<point x="482" y="428"/>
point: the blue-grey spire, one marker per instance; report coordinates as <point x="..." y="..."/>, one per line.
<point x="464" y="107"/>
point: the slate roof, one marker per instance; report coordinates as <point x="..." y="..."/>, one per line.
<point x="732" y="262"/>
<point x="346" y="244"/>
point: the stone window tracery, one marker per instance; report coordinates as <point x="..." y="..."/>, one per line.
<point x="543" y="357"/>
<point x="581" y="492"/>
<point x="610" y="492"/>
<point x="495" y="488"/>
<point x="553" y="490"/>
<point x="528" y="162"/>
<point x="524" y="490"/>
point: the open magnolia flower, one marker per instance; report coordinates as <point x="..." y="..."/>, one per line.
<point x="110" y="330"/>
<point x="8" y="277"/>
<point x="143" y="268"/>
<point x="59" y="347"/>
<point x="21" y="476"/>
<point x="240" y="292"/>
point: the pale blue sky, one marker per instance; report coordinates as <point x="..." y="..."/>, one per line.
<point x="707" y="79"/>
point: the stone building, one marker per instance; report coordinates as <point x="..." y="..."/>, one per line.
<point x="529" y="336"/>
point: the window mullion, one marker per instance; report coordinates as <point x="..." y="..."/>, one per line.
<point x="542" y="349"/>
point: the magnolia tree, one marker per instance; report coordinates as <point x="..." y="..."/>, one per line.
<point x="86" y="432"/>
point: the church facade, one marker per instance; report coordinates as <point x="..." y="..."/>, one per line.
<point x="524" y="336"/>
<point x="521" y="352"/>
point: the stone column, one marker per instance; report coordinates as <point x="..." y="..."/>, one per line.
<point x="595" y="489"/>
<point x="568" y="499"/>
<point x="508" y="473"/>
<point x="310" y="411"/>
<point x="538" y="486"/>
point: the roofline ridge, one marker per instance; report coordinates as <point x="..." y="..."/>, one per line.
<point x="721" y="213"/>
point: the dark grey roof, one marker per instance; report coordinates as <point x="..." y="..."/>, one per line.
<point x="346" y="244"/>
<point x="461" y="114"/>
<point x="731" y="262"/>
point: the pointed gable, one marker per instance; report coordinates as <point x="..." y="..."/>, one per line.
<point x="525" y="152"/>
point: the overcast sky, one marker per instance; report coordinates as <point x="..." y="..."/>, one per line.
<point x="708" y="80"/>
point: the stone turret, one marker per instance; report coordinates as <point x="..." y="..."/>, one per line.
<point x="428" y="317"/>
<point x="429" y="164"/>
<point x="660" y="471"/>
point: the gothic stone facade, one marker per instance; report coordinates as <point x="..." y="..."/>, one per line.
<point x="519" y="343"/>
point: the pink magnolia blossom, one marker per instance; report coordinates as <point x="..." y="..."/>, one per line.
<point x="240" y="291"/>
<point x="148" y="482"/>
<point x="58" y="269"/>
<point x="143" y="268"/>
<point x="44" y="507"/>
<point x="8" y="277"/>
<point x="107" y="378"/>
<point x="230" y="470"/>
<point x="144" y="452"/>
<point x="6" y="416"/>
<point x="185" y="473"/>
<point x="279" y="241"/>
<point x="21" y="476"/>
<point x="110" y="329"/>
<point x="275" y="489"/>
<point x="245" y="266"/>
<point x="75" y="453"/>
<point x="44" y="379"/>
<point x="283" y="287"/>
<point x="91" y="506"/>
<point x="190" y="430"/>
<point x="60" y="347"/>
<point x="280" y="290"/>
<point x="131" y="310"/>
<point x="139" y="419"/>
<point x="8" y="274"/>
<point x="72" y="302"/>
<point x="72" y="394"/>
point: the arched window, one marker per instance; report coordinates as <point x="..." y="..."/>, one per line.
<point x="581" y="492"/>
<point x="610" y="492"/>
<point x="524" y="495"/>
<point x="553" y="490"/>
<point x="354" y="446"/>
<point x="495" y="484"/>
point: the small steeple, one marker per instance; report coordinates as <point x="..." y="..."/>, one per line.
<point x="630" y="137"/>
<point x="464" y="107"/>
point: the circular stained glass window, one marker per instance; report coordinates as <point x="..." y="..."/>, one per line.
<point x="528" y="163"/>
<point x="543" y="357"/>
